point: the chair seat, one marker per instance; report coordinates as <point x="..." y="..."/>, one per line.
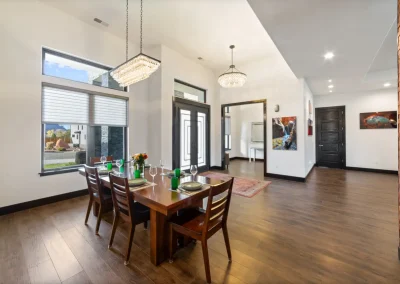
<point x="106" y="197"/>
<point x="193" y="220"/>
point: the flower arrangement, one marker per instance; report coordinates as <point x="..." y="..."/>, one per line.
<point x="139" y="158"/>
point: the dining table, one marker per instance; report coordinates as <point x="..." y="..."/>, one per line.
<point x="163" y="203"/>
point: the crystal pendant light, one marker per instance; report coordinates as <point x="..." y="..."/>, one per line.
<point x="232" y="78"/>
<point x="139" y="67"/>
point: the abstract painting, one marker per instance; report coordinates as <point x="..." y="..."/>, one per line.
<point x="284" y="135"/>
<point x="377" y="120"/>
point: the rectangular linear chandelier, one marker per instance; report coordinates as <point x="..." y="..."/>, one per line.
<point x="139" y="67"/>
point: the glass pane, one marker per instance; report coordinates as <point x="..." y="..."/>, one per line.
<point x="201" y="130"/>
<point x="72" y="68"/>
<point x="189" y="93"/>
<point x="185" y="139"/>
<point x="64" y="145"/>
<point x="108" y="141"/>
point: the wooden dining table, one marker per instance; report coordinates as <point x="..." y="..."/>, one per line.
<point x="163" y="203"/>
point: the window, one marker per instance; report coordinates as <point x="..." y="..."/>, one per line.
<point x="65" y="66"/>
<point x="226" y="109"/>
<point x="228" y="137"/>
<point x="78" y="125"/>
<point x="189" y="92"/>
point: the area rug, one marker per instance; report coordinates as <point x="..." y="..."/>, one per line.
<point x="241" y="186"/>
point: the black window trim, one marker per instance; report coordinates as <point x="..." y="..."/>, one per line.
<point x="195" y="87"/>
<point x="80" y="60"/>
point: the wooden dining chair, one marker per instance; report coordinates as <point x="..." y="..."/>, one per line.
<point x="127" y="209"/>
<point x="201" y="225"/>
<point x="96" y="194"/>
<point x="95" y="160"/>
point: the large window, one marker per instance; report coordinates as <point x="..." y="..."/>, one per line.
<point x="186" y="91"/>
<point x="65" y="66"/>
<point x="228" y="136"/>
<point x="78" y="125"/>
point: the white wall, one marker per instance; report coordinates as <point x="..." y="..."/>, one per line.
<point x="366" y="148"/>
<point x="242" y="117"/>
<point x="273" y="80"/>
<point x="26" y="26"/>
<point x="309" y="159"/>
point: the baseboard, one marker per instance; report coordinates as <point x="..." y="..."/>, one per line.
<point x="246" y="159"/>
<point x="39" y="202"/>
<point x="310" y="171"/>
<point x="217" y="168"/>
<point x="292" y="178"/>
<point x="372" y="170"/>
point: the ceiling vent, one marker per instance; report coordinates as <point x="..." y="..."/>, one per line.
<point x="97" y="20"/>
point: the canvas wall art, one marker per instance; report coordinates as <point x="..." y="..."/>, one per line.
<point x="378" y="120"/>
<point x="284" y="135"/>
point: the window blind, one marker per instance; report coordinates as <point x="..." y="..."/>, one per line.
<point x="64" y="106"/>
<point x="227" y="125"/>
<point x="109" y="111"/>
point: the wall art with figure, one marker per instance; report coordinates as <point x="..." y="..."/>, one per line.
<point x="284" y="134"/>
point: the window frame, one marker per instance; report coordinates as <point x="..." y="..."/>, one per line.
<point x="74" y="168"/>
<point x="194" y="87"/>
<point x="77" y="59"/>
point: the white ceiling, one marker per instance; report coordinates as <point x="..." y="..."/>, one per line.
<point x="361" y="33"/>
<point x="194" y="28"/>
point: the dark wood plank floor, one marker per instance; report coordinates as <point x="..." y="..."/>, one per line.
<point x="338" y="227"/>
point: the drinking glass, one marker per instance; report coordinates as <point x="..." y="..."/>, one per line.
<point x="193" y="170"/>
<point x="119" y="165"/>
<point x="162" y="164"/>
<point x="103" y="159"/>
<point x="153" y="171"/>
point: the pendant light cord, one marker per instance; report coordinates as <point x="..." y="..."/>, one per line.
<point x="141" y="25"/>
<point x="127" y="26"/>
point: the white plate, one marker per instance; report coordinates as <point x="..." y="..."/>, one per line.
<point x="137" y="181"/>
<point x="191" y="186"/>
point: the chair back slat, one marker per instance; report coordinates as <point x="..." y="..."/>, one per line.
<point x="95" y="160"/>
<point x="218" y="208"/>
<point x="93" y="182"/>
<point x="122" y="197"/>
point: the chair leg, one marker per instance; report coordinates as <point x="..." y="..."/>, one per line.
<point x="88" y="210"/>
<point x="130" y="244"/>
<point x="145" y="225"/>
<point x="114" y="228"/>
<point x="99" y="219"/>
<point x="206" y="260"/>
<point x="172" y="244"/>
<point x="226" y="237"/>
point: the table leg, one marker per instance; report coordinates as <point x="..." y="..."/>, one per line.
<point x="158" y="237"/>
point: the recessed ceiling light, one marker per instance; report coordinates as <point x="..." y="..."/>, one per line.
<point x="330" y="86"/>
<point x="329" y="55"/>
<point x="330" y="91"/>
<point x="330" y="81"/>
<point x="387" y="85"/>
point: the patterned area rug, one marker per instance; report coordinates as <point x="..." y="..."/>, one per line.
<point x="241" y="186"/>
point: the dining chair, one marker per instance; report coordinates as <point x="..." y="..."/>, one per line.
<point x="96" y="194"/>
<point x="95" y="160"/>
<point x="127" y="209"/>
<point x="201" y="225"/>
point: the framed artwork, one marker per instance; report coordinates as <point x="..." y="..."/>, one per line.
<point x="309" y="107"/>
<point x="378" y="120"/>
<point x="284" y="135"/>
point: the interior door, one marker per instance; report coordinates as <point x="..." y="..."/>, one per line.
<point x="331" y="137"/>
<point x="191" y="135"/>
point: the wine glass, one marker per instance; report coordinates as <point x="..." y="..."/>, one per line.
<point x="119" y="165"/>
<point x="162" y="164"/>
<point x="103" y="159"/>
<point x="193" y="170"/>
<point x="153" y="171"/>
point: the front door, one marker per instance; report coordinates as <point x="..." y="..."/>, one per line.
<point x="191" y="135"/>
<point x="331" y="137"/>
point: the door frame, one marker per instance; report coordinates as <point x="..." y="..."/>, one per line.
<point x="343" y="108"/>
<point x="176" y="130"/>
<point x="223" y="106"/>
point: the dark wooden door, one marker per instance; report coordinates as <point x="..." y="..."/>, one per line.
<point x="331" y="137"/>
<point x="191" y="135"/>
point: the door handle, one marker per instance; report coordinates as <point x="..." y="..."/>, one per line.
<point x="320" y="145"/>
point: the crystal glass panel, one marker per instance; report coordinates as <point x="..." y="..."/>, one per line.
<point x="201" y="131"/>
<point x="185" y="139"/>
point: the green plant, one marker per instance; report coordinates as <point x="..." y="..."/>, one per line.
<point x="60" y="149"/>
<point x="49" y="145"/>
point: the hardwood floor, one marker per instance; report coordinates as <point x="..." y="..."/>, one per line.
<point x="338" y="227"/>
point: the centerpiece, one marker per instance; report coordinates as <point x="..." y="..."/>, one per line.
<point x="139" y="161"/>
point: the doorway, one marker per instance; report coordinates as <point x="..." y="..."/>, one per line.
<point x="255" y="144"/>
<point x="331" y="137"/>
<point x="191" y="135"/>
